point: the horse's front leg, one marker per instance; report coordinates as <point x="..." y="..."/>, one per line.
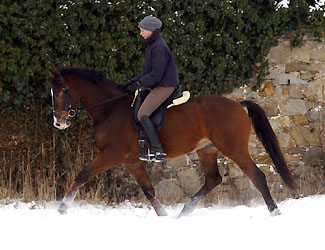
<point x="69" y="197"/>
<point x="101" y="163"/>
<point x="140" y="174"/>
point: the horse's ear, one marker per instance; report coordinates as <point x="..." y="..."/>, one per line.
<point x="54" y="74"/>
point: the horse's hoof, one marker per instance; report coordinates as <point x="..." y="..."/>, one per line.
<point x="190" y="206"/>
<point x="63" y="208"/>
<point x="160" y="210"/>
<point x="187" y="209"/>
<point x="185" y="212"/>
<point x="275" y="212"/>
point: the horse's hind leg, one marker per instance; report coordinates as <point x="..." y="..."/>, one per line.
<point x="208" y="157"/>
<point x="257" y="177"/>
<point x="140" y="174"/>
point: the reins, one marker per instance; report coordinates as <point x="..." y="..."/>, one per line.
<point x="103" y="102"/>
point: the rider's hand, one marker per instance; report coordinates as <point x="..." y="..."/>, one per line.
<point x="132" y="86"/>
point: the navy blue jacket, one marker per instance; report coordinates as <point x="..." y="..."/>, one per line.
<point x="160" y="66"/>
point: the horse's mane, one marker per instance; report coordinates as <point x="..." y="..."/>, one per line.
<point x="90" y="75"/>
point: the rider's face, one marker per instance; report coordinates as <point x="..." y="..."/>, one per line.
<point x="145" y="33"/>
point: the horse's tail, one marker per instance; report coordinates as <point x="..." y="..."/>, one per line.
<point x="269" y="140"/>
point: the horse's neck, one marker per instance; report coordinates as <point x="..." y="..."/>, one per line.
<point x="98" y="100"/>
<point x="101" y="103"/>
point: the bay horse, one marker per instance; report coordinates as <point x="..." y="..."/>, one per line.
<point x="207" y="124"/>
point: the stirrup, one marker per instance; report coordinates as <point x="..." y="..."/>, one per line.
<point x="146" y="157"/>
<point x="153" y="156"/>
<point x="158" y="156"/>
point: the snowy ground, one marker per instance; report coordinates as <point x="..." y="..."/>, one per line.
<point x="24" y="226"/>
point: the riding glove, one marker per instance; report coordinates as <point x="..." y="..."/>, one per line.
<point x="132" y="86"/>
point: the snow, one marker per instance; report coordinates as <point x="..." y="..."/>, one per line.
<point x="285" y="4"/>
<point x="132" y="226"/>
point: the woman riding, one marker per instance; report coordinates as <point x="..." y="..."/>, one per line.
<point x="160" y="75"/>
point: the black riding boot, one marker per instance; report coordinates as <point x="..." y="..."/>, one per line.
<point x="157" y="149"/>
<point x="143" y="152"/>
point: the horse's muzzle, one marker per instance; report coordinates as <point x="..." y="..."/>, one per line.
<point x="61" y="125"/>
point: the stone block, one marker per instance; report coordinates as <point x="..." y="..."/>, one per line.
<point x="295" y="74"/>
<point x="305" y="136"/>
<point x="282" y="121"/>
<point x="271" y="109"/>
<point x="317" y="51"/>
<point x="189" y="180"/>
<point x="296" y="67"/>
<point x="301" y="54"/>
<point x="278" y="90"/>
<point x="265" y="169"/>
<point x="295" y="93"/>
<point x="311" y="91"/>
<point x="299" y="119"/>
<point x="274" y="125"/>
<point x="263" y="158"/>
<point x="242" y="183"/>
<point x="308" y="75"/>
<point x="295" y="150"/>
<point x="193" y="156"/>
<point x="314" y="157"/>
<point x="178" y="162"/>
<point x="237" y="94"/>
<point x="276" y="71"/>
<point x="268" y="89"/>
<point x="317" y="115"/>
<point x="287" y="79"/>
<point x="168" y="192"/>
<point x="295" y="107"/>
<point x="235" y="171"/>
<point x="284" y="140"/>
<point x="316" y="67"/>
<point x="253" y="150"/>
<point x="252" y="95"/>
<point x="285" y="94"/>
<point x="292" y="159"/>
<point x="280" y="54"/>
<point x="319" y="87"/>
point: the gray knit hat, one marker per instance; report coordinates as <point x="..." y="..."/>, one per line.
<point x="150" y="23"/>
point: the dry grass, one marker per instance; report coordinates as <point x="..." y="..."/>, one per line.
<point x="46" y="173"/>
<point x="38" y="162"/>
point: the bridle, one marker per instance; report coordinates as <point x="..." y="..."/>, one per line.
<point x="68" y="106"/>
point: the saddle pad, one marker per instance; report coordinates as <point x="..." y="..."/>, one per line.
<point x="158" y="116"/>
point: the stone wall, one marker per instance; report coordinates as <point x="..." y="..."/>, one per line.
<point x="293" y="98"/>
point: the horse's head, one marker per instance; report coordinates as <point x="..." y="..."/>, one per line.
<point x="64" y="104"/>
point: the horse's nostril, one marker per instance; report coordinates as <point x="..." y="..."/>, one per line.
<point x="57" y="124"/>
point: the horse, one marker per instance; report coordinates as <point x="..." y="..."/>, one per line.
<point x="207" y="124"/>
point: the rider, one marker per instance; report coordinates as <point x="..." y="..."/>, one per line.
<point x="160" y="75"/>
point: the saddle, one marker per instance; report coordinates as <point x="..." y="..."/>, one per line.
<point x="158" y="116"/>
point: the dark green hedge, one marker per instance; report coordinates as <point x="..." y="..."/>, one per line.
<point x="216" y="43"/>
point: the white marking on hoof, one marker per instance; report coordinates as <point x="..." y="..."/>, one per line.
<point x="160" y="210"/>
<point x="63" y="208"/>
<point x="275" y="212"/>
